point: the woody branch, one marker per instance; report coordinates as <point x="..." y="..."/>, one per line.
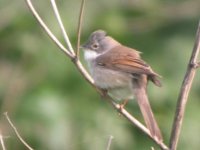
<point x="184" y="92"/>
<point x="74" y="56"/>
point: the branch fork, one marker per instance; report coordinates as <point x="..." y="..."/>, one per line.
<point x="195" y="65"/>
<point x="74" y="56"/>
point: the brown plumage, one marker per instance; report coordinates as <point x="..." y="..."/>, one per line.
<point x="121" y="71"/>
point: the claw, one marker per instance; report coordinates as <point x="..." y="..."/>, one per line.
<point x="103" y="93"/>
<point x="123" y="104"/>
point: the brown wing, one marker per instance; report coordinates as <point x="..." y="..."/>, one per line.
<point x="128" y="60"/>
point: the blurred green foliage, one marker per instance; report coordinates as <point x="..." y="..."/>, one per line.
<point x="54" y="108"/>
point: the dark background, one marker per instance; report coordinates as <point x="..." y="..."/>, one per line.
<point x="54" y="108"/>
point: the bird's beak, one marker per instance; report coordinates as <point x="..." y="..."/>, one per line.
<point x="84" y="46"/>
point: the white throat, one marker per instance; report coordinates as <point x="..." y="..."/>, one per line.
<point x="90" y="55"/>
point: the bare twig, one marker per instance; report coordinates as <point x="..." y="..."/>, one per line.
<point x="80" y="20"/>
<point x="16" y="132"/>
<point x="184" y="92"/>
<point x="85" y="74"/>
<point x="2" y="142"/>
<point x="152" y="148"/>
<point x="109" y="142"/>
<point x="57" y="42"/>
<point x="48" y="31"/>
<point x="61" y="26"/>
<point x="139" y="125"/>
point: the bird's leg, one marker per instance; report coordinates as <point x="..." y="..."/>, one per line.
<point x="104" y="93"/>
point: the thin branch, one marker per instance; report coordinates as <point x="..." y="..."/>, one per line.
<point x="152" y="148"/>
<point x="16" y="132"/>
<point x="139" y="125"/>
<point x="80" y="20"/>
<point x="86" y="75"/>
<point x="132" y="119"/>
<point x="109" y="142"/>
<point x="2" y="142"/>
<point x="53" y="3"/>
<point x="48" y="31"/>
<point x="56" y="41"/>
<point x="184" y="92"/>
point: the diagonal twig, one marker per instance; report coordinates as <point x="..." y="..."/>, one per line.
<point x="80" y="20"/>
<point x="109" y="142"/>
<point x="57" y="42"/>
<point x="184" y="92"/>
<point x="16" y="132"/>
<point x="2" y="142"/>
<point x="85" y="74"/>
<point x="139" y="125"/>
<point x="53" y="3"/>
<point x="48" y="31"/>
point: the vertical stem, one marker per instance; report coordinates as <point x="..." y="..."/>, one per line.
<point x="184" y="92"/>
<point x="80" y="20"/>
<point x="66" y="38"/>
<point x="47" y="30"/>
<point x="109" y="142"/>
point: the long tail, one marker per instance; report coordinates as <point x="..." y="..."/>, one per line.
<point x="143" y="102"/>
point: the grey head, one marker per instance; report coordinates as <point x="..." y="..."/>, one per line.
<point x="100" y="42"/>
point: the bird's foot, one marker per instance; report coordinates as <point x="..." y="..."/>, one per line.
<point x="123" y="104"/>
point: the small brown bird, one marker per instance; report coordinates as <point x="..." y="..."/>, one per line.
<point x="121" y="71"/>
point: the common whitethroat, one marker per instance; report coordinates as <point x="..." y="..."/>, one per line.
<point x="121" y="71"/>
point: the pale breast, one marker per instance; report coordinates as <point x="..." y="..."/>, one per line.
<point x="106" y="78"/>
<point x="117" y="83"/>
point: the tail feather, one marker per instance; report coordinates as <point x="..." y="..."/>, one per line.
<point x="155" y="80"/>
<point x="143" y="102"/>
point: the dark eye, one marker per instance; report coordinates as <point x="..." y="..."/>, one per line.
<point x="95" y="46"/>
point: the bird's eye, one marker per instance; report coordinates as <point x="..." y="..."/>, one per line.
<point x="95" y="46"/>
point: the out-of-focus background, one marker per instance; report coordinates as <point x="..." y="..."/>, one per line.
<point x="54" y="108"/>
